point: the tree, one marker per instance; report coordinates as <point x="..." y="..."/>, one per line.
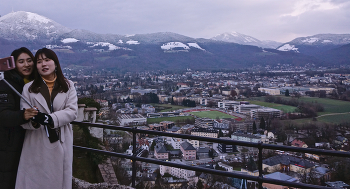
<point x="153" y="145"/>
<point x="251" y="165"/>
<point x="199" y="184"/>
<point x="262" y="123"/>
<point x="233" y="93"/>
<point x="221" y="134"/>
<point x="89" y="102"/>
<point x="287" y="92"/>
<point x="254" y="127"/>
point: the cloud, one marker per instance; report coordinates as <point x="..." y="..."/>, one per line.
<point x="304" y="6"/>
<point x="280" y="20"/>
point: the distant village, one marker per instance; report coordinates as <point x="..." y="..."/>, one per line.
<point x="221" y="104"/>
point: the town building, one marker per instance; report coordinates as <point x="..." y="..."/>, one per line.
<point x="266" y="113"/>
<point x="161" y="152"/>
<point x="188" y="151"/>
<point x="177" y="172"/>
<point x="278" y="176"/>
<point x="287" y="163"/>
<point x="226" y="148"/>
<point x="245" y="108"/>
<point x="204" y="122"/>
<point x="205" y="132"/>
<point x="270" y="91"/>
<point x="228" y="104"/>
<point x="131" y="119"/>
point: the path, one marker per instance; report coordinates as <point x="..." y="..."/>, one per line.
<point x="332" y="114"/>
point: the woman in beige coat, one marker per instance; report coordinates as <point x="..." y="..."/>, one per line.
<point x="47" y="155"/>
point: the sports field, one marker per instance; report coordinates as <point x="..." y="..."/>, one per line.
<point x="212" y="114"/>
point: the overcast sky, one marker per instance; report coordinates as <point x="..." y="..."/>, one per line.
<point x="278" y="20"/>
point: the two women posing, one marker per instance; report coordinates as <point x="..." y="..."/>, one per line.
<point x="47" y="152"/>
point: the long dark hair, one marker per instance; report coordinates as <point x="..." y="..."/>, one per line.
<point x="61" y="81"/>
<point x="18" y="52"/>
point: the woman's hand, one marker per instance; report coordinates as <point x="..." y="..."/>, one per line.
<point x="29" y="113"/>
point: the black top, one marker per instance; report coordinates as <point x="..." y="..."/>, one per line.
<point x="11" y="133"/>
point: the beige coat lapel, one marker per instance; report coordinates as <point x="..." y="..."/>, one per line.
<point x="42" y="102"/>
<point x="59" y="101"/>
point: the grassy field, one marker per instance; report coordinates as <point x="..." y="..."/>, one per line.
<point x="212" y="114"/>
<point x="330" y="106"/>
<point x="335" y="118"/>
<point x="174" y="119"/>
<point x="284" y="108"/>
<point x="167" y="107"/>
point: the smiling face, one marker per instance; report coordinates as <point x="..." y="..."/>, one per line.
<point x="24" y="65"/>
<point x="46" y="67"/>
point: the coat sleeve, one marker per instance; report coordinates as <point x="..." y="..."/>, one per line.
<point x="70" y="111"/>
<point x="26" y="95"/>
<point x="9" y="117"/>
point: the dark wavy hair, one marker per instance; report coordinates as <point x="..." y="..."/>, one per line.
<point x="18" y="52"/>
<point x="61" y="81"/>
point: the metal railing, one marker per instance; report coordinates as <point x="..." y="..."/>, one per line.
<point x="260" y="179"/>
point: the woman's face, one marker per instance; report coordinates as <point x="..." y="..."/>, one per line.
<point x="46" y="67"/>
<point x="24" y="65"/>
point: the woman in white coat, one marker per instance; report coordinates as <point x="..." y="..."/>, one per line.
<point x="47" y="155"/>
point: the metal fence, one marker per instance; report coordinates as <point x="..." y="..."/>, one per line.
<point x="260" y="179"/>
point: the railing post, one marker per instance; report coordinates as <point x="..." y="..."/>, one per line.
<point x="260" y="164"/>
<point x="134" y="155"/>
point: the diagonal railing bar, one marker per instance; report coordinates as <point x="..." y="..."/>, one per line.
<point x="260" y="179"/>
<point x="224" y="141"/>
<point x="200" y="169"/>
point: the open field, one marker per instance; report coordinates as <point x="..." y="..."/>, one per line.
<point x="174" y="119"/>
<point x="284" y="108"/>
<point x="331" y="106"/>
<point x="167" y="107"/>
<point x="340" y="118"/>
<point x="212" y="114"/>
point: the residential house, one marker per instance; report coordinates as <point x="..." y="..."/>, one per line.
<point x="161" y="152"/>
<point x="278" y="176"/>
<point x="177" y="172"/>
<point x="287" y="163"/>
<point x="298" y="143"/>
<point x="205" y="132"/>
<point x="188" y="151"/>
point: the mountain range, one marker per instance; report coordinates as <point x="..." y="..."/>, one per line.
<point x="165" y="50"/>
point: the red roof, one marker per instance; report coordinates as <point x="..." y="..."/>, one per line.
<point x="297" y="143"/>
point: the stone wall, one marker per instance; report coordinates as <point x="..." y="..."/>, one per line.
<point x="80" y="184"/>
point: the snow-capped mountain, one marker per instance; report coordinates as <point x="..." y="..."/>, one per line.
<point x="315" y="44"/>
<point x="322" y="39"/>
<point x="27" y="26"/>
<point x="178" y="47"/>
<point x="161" y="50"/>
<point x="234" y="37"/>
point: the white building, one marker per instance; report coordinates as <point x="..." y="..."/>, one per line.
<point x="228" y="104"/>
<point x="205" y="132"/>
<point x="270" y="91"/>
<point x="131" y="119"/>
<point x="176" y="142"/>
<point x="226" y="167"/>
<point x="265" y="112"/>
<point x="245" y="108"/>
<point x="177" y="172"/>
<point x="143" y="91"/>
